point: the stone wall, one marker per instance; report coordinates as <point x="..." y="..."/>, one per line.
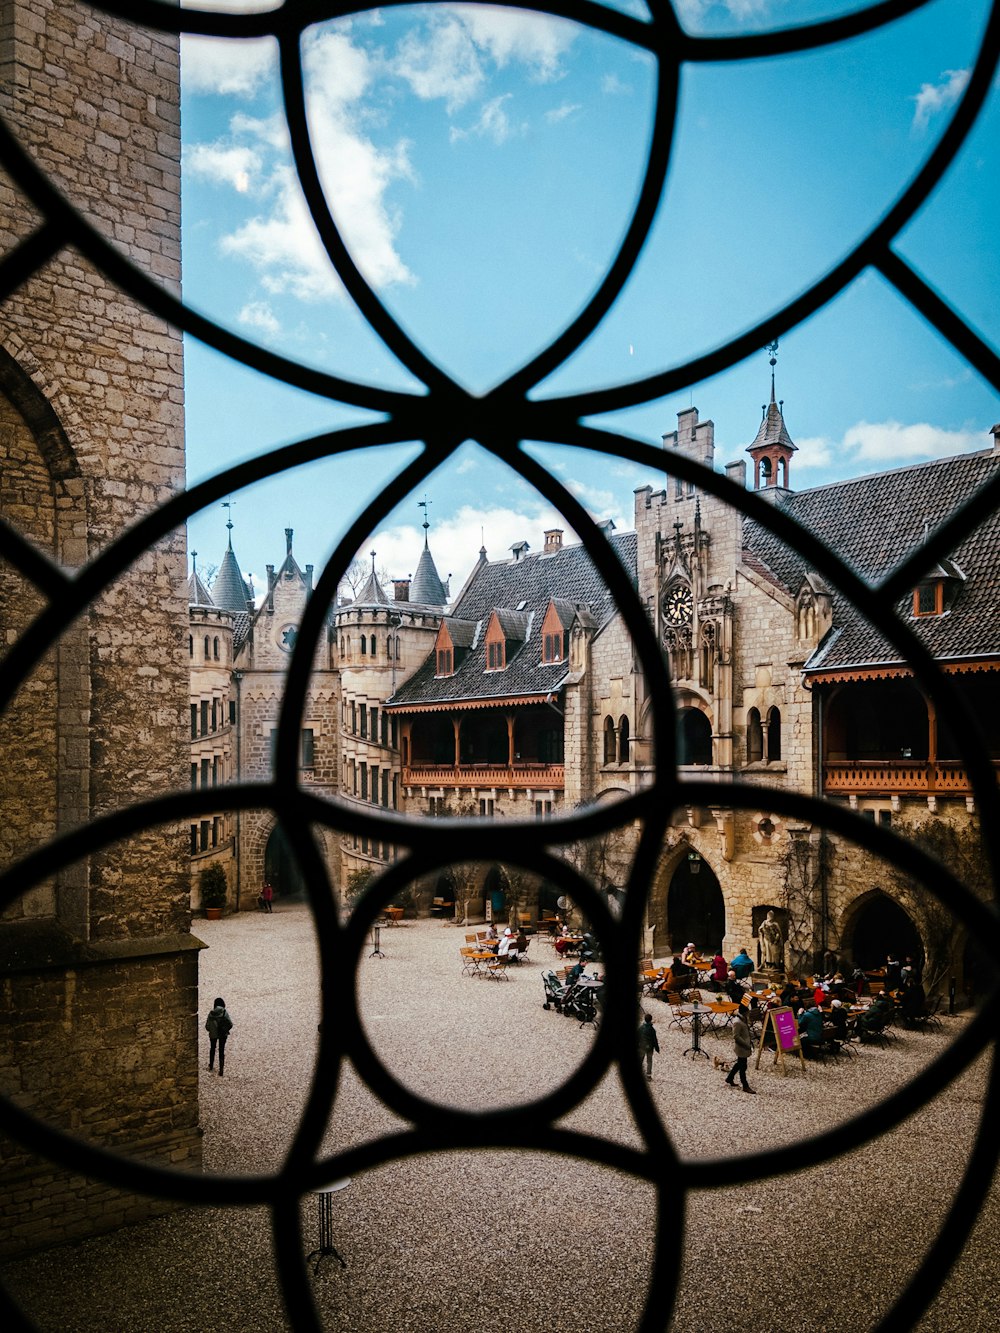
<point x="91" y="429"/>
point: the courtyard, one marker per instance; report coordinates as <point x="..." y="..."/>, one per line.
<point x="542" y="1242"/>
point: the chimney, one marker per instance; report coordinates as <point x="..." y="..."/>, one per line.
<point x="995" y="432"/>
<point x="553" y="540"/>
<point x="401" y="590"/>
<point x="520" y="550"/>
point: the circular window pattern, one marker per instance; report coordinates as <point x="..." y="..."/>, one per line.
<point x="440" y="416"/>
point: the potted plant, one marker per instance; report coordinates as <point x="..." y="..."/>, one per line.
<point x="212" y="883"/>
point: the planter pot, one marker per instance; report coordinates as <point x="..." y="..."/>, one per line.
<point x="213" y="913"/>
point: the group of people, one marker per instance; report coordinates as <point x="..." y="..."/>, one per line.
<point x="508" y="945"/>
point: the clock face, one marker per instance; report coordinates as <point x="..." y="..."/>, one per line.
<point x="678" y="605"/>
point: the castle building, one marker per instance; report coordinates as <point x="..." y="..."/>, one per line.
<point x="524" y="698"/>
<point x="99" y="969"/>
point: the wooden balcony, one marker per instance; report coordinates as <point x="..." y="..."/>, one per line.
<point x="890" y="777"/>
<point x="486" y="775"/>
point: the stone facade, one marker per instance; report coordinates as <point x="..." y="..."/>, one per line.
<point x="98" y="968"/>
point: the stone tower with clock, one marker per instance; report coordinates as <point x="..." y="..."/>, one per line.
<point x="689" y="545"/>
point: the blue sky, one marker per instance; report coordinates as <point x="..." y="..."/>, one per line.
<point x="483" y="165"/>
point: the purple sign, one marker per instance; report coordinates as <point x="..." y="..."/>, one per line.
<point x="786" y="1028"/>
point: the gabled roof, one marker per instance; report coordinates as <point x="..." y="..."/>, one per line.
<point x="565" y="610"/>
<point x="874" y="523"/>
<point x="514" y="624"/>
<point x="772" y="429"/>
<point x="198" y="594"/>
<point x="527" y="585"/>
<point x="461" y="632"/>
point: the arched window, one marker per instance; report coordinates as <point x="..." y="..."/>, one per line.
<point x="364" y="646"/>
<point x="708" y="656"/>
<point x="397" y="647"/>
<point x="215" y="648"/>
<point x="342" y="645"/>
<point x="755" y="738"/>
<point x="694" y="737"/>
<point x="374" y="650"/>
<point x="207" y="647"/>
<point x="348" y="645"/>
<point x="190" y="645"/>
<point x="623" y="740"/>
<point x="773" y="735"/>
<point x="610" y="747"/>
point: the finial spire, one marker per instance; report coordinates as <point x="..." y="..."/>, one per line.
<point x="422" y="504"/>
<point x="772" y="349"/>
<point x="228" y="505"/>
<point x="372" y="554"/>
<point x="194" y="559"/>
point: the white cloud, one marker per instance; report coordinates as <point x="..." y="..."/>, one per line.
<point x="561" y="113"/>
<point x="886" y="444"/>
<point x="892" y="442"/>
<point x="280" y="241"/>
<point x="447" y="58"/>
<point x="613" y="86"/>
<point x="226" y="67"/>
<point x="226" y="164"/>
<point x="936" y="97"/>
<point x="493" y="123"/>
<point x="259" y="315"/>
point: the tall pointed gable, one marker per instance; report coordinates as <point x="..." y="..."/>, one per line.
<point x="426" y="587"/>
<point x="372" y="594"/>
<point x="230" y="590"/>
<point x="198" y="594"/>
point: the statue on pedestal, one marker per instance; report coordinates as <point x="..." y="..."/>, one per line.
<point x="772" y="943"/>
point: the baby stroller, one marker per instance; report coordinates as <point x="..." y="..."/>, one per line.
<point x="555" y="991"/>
<point x="584" y="1001"/>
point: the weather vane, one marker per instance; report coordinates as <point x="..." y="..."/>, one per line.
<point x="772" y="349"/>
<point x="422" y="504"/>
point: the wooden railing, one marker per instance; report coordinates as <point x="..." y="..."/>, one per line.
<point x="946" y="777"/>
<point x="485" y="775"/>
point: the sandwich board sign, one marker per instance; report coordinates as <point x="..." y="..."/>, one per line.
<point x="786" y="1036"/>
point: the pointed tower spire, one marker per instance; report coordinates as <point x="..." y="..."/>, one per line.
<point x="426" y="586"/>
<point x="773" y="447"/>
<point x="231" y="591"/>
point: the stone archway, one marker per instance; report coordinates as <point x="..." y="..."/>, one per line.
<point x="876" y="926"/>
<point x="281" y="869"/>
<point x="695" y="908"/>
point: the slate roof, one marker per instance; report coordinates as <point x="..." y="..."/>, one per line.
<point x="426" y="587"/>
<point x="372" y="594"/>
<point x="230" y="589"/>
<point x="873" y="523"/>
<point x="772" y="428"/>
<point x="525" y="587"/>
<point x="198" y="594"/>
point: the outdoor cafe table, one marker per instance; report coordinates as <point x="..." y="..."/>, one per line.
<point x="721" y="1015"/>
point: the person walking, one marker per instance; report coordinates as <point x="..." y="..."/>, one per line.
<point x="744" y="1049"/>
<point x="218" y="1025"/>
<point x="266" y="897"/>
<point x="648" y="1043"/>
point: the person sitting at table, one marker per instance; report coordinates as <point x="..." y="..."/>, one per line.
<point x="575" y="972"/>
<point x="838" y="1020"/>
<point x="491" y="930"/>
<point x="742" y="964"/>
<point x="893" y="970"/>
<point x="720" y="970"/>
<point x="913" y="1005"/>
<point x="688" y="953"/>
<point x="507" y="946"/>
<point x="734" y="987"/>
<point x="876" y="1016"/>
<point x="788" y="993"/>
<point x="521" y="943"/>
<point x="811" y="1030"/>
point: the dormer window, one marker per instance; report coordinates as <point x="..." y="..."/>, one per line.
<point x="496" y="655"/>
<point x="928" y="598"/>
<point x="554" y="648"/>
<point x="444" y="662"/>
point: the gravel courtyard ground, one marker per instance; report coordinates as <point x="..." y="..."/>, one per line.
<point x="542" y="1243"/>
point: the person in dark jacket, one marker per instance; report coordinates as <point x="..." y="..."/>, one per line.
<point x="811" y="1029"/>
<point x="744" y="1049"/>
<point x="648" y="1043"/>
<point x="218" y="1025"/>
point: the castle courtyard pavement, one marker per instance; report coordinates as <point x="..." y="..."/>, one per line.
<point x="458" y="1241"/>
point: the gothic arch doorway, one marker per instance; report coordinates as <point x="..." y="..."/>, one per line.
<point x="696" y="909"/>
<point x="281" y="870"/>
<point x="879" y="927"/>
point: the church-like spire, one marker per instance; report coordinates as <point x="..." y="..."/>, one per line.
<point x="198" y="594"/>
<point x="773" y="447"/>
<point x="372" y="593"/>
<point x="231" y="590"/>
<point x="426" y="586"/>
